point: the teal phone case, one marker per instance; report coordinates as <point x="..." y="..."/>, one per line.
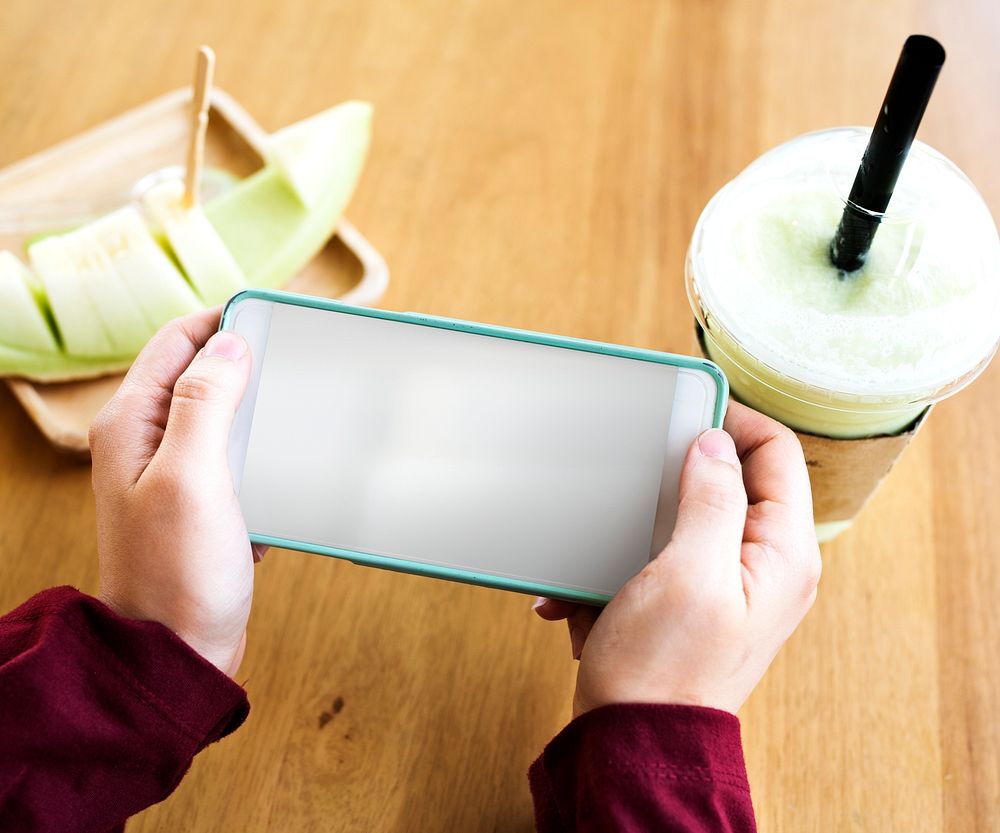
<point x="450" y="573"/>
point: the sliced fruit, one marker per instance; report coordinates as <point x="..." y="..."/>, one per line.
<point x="22" y="321"/>
<point x="205" y="259"/>
<point x="265" y="222"/>
<point x="76" y="318"/>
<point x="109" y="284"/>
<point x="323" y="152"/>
<point x="123" y="321"/>
<point x="152" y="279"/>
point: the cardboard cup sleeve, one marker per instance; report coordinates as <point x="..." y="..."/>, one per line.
<point x="844" y="474"/>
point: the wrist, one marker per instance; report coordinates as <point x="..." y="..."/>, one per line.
<point x="584" y="702"/>
<point x="225" y="657"/>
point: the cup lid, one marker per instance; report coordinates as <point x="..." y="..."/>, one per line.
<point x="919" y="320"/>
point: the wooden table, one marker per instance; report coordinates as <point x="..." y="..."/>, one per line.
<point x="542" y="165"/>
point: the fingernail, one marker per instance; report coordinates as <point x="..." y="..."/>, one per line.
<point x="538" y="603"/>
<point x="225" y="345"/>
<point x="717" y="443"/>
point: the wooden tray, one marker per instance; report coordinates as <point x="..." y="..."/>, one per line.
<point x="94" y="172"/>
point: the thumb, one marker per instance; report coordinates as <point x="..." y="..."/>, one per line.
<point x="713" y="506"/>
<point x="205" y="399"/>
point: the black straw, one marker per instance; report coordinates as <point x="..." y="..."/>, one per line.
<point x="905" y="101"/>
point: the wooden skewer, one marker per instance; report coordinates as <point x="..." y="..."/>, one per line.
<point x="204" y="69"/>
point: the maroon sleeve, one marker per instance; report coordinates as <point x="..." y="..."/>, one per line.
<point x="640" y="767"/>
<point x="100" y="716"/>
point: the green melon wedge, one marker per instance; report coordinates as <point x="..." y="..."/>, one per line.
<point x="205" y="259"/>
<point x="127" y="329"/>
<point x="270" y="227"/>
<point x="150" y="276"/>
<point x="79" y="325"/>
<point x="22" y="320"/>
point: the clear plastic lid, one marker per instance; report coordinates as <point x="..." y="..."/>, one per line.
<point x="917" y="322"/>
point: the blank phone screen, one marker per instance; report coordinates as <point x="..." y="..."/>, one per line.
<point x="485" y="454"/>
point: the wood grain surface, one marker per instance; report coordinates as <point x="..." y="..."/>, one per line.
<point x="541" y="165"/>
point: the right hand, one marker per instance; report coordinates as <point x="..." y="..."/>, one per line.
<point x="700" y="624"/>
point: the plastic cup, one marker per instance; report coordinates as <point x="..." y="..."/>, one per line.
<point x="840" y="355"/>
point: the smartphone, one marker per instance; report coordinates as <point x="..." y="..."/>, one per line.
<point x="499" y="457"/>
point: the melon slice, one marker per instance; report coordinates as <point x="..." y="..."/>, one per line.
<point x="151" y="278"/>
<point x="76" y="318"/>
<point x="202" y="254"/>
<point x="275" y="221"/>
<point x="323" y="152"/>
<point x="22" y="320"/>
<point x="119" y="312"/>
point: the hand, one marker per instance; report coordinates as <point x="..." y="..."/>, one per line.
<point x="700" y="624"/>
<point x="171" y="540"/>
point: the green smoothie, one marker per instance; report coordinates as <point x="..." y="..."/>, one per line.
<point x="845" y="355"/>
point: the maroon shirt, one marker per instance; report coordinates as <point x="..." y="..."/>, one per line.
<point x="101" y="716"/>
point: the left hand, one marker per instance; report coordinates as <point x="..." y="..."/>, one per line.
<point x="171" y="540"/>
